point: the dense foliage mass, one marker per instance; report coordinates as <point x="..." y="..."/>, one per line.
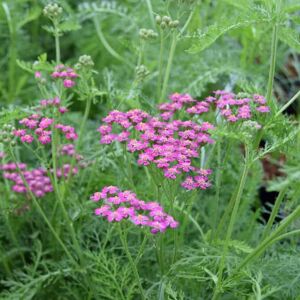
<point x="149" y="149"/>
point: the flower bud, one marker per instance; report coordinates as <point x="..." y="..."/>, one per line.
<point x="158" y="20"/>
<point x="52" y="11"/>
<point x="86" y="61"/>
<point x="163" y="25"/>
<point x="166" y="19"/>
<point x="174" y="24"/>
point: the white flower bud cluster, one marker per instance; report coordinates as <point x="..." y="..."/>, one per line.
<point x="6" y="134"/>
<point x="165" y="22"/>
<point x="84" y="61"/>
<point x="52" y="11"/>
<point x="147" y="34"/>
<point x="141" y="72"/>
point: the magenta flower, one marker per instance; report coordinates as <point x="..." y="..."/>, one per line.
<point x="121" y="205"/>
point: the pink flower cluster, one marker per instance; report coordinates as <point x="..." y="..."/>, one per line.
<point x="65" y="73"/>
<point x="65" y="171"/>
<point x="172" y="146"/>
<point x="69" y="150"/>
<point x="119" y="205"/>
<point x="55" y="102"/>
<point x="231" y="106"/>
<point x="37" y="128"/>
<point x="36" y="179"/>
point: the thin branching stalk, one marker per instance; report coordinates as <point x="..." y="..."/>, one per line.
<point x="57" y="44"/>
<point x="269" y="240"/>
<point x="160" y="66"/>
<point x="289" y="103"/>
<point x="150" y="11"/>
<point x="169" y="66"/>
<point x="40" y="210"/>
<point x="232" y="220"/>
<point x="274" y="46"/>
<point x="59" y="195"/>
<point x="106" y="44"/>
<point x="123" y="238"/>
<point x="274" y="213"/>
<point x="215" y="212"/>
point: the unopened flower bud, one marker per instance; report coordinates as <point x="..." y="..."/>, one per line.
<point x="163" y="25"/>
<point x="166" y="19"/>
<point x="86" y="61"/>
<point x="52" y="11"/>
<point x="174" y="24"/>
<point x="158" y="20"/>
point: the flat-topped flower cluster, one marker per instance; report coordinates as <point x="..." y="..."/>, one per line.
<point x="36" y="180"/>
<point x="232" y="107"/>
<point x="36" y="127"/>
<point x="172" y="146"/>
<point x="65" y="73"/>
<point x="119" y="205"/>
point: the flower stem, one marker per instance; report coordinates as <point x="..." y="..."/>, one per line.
<point x="269" y="240"/>
<point x="272" y="62"/>
<point x="283" y="108"/>
<point x="123" y="238"/>
<point x="57" y="45"/>
<point x="58" y="192"/>
<point x="160" y="67"/>
<point x="150" y="10"/>
<point x="237" y="200"/>
<point x="274" y="213"/>
<point x="40" y="210"/>
<point x="169" y="66"/>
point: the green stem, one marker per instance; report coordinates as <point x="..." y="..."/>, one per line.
<point x="237" y="200"/>
<point x="169" y="66"/>
<point x="40" y="210"/>
<point x="58" y="193"/>
<point x="123" y="238"/>
<point x="107" y="46"/>
<point x="150" y="11"/>
<point x="274" y="213"/>
<point x="78" y="145"/>
<point x="57" y="45"/>
<point x="269" y="240"/>
<point x="160" y="67"/>
<point x="272" y="63"/>
<point x="215" y="212"/>
<point x="283" y="108"/>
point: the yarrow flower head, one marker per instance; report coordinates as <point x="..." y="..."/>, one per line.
<point x="40" y="128"/>
<point x="117" y="205"/>
<point x="172" y="146"/>
<point x="232" y="107"/>
<point x="24" y="180"/>
<point x="67" y="74"/>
